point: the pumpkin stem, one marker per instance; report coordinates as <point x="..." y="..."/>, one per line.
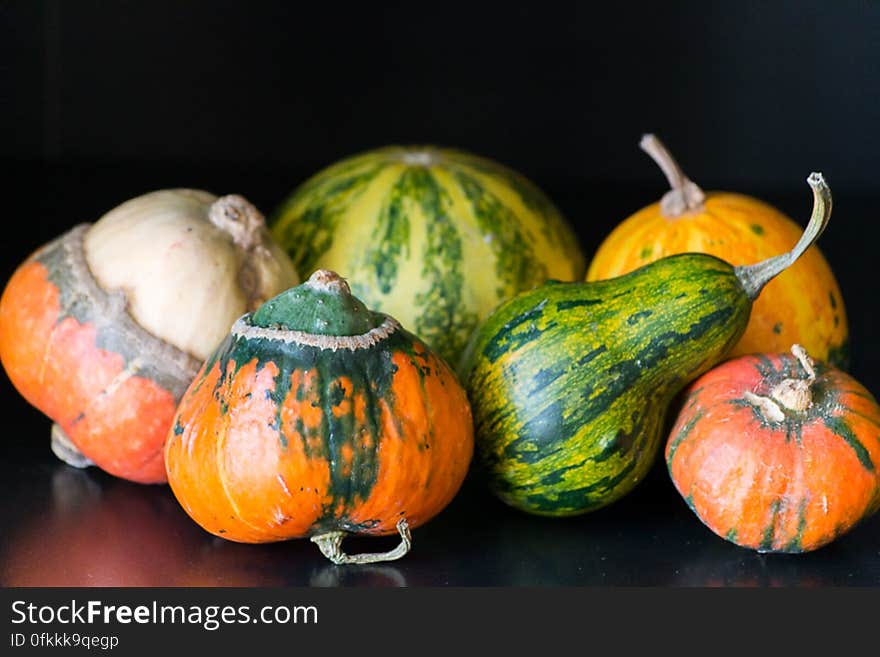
<point x="330" y="545"/>
<point x="235" y="215"/>
<point x="685" y="196"/>
<point x="65" y="450"/>
<point x="795" y="394"/>
<point x="754" y="277"/>
<point x="789" y="394"/>
<point x="240" y="219"/>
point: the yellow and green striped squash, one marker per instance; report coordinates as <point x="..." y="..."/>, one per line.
<point x="434" y="237"/>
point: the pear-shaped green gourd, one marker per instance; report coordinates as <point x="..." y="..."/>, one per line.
<point x="569" y="383"/>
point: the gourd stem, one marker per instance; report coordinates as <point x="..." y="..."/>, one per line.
<point x="239" y="218"/>
<point x="685" y="195"/>
<point x="754" y="277"/>
<point x="796" y="394"/>
<point x="65" y="450"/>
<point x="790" y="394"/>
<point x="330" y="545"/>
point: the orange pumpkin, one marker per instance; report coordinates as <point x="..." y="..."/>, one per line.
<point x="776" y="452"/>
<point x="317" y="417"/>
<point x="802" y="305"/>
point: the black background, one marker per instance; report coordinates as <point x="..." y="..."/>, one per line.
<point x="102" y="101"/>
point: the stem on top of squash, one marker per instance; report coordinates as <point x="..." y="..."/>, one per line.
<point x="755" y="277"/>
<point x="789" y="394"/>
<point x="795" y="394"/>
<point x="685" y="196"/>
<point x="235" y="215"/>
<point x="330" y="545"/>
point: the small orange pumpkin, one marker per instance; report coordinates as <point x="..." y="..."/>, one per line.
<point x="802" y="305"/>
<point x="317" y="417"/>
<point x="777" y="453"/>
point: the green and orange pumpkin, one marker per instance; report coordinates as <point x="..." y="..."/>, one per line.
<point x="776" y="452"/>
<point x="317" y="417"/>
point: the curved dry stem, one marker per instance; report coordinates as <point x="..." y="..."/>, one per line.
<point x="330" y="545"/>
<point x="788" y="394"/>
<point x="65" y="450"/>
<point x="685" y="196"/>
<point x="755" y="277"/>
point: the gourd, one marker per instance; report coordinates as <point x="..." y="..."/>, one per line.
<point x="777" y="452"/>
<point x="318" y="417"/>
<point x="569" y="383"/>
<point x="802" y="305"/>
<point x="103" y="328"/>
<point x="434" y="237"/>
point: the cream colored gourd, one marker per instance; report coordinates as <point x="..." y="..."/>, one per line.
<point x="213" y="257"/>
<point x="104" y="328"/>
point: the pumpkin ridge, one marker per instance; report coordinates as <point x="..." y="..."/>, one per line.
<point x="516" y="266"/>
<point x="839" y="427"/>
<point x="443" y="310"/>
<point x="219" y="442"/>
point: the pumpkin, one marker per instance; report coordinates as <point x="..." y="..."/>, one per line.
<point x="104" y="328"/>
<point x="803" y="305"/>
<point x="777" y="452"/>
<point x="317" y="417"/>
<point x="434" y="237"/>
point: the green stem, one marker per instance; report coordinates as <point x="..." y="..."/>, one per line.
<point x="755" y="277"/>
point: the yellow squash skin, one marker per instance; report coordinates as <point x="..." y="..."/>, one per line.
<point x="434" y="237"/>
<point x="802" y="305"/>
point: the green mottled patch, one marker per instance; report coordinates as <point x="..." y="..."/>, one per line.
<point x="646" y="252"/>
<point x="777" y="328"/>
<point x="308" y="219"/>
<point x="757" y="229"/>
<point x="515" y="264"/>
<point x="445" y="317"/>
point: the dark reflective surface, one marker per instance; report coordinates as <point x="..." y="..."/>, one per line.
<point x="68" y="527"/>
<point x="60" y="526"/>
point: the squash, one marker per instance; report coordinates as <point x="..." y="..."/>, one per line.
<point x="802" y="305"/>
<point x="434" y="237"/>
<point x="317" y="417"/>
<point x="103" y="328"/>
<point x="570" y="382"/>
<point x="777" y="452"/>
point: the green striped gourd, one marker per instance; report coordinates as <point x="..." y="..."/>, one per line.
<point x="434" y="237"/>
<point x="569" y="383"/>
